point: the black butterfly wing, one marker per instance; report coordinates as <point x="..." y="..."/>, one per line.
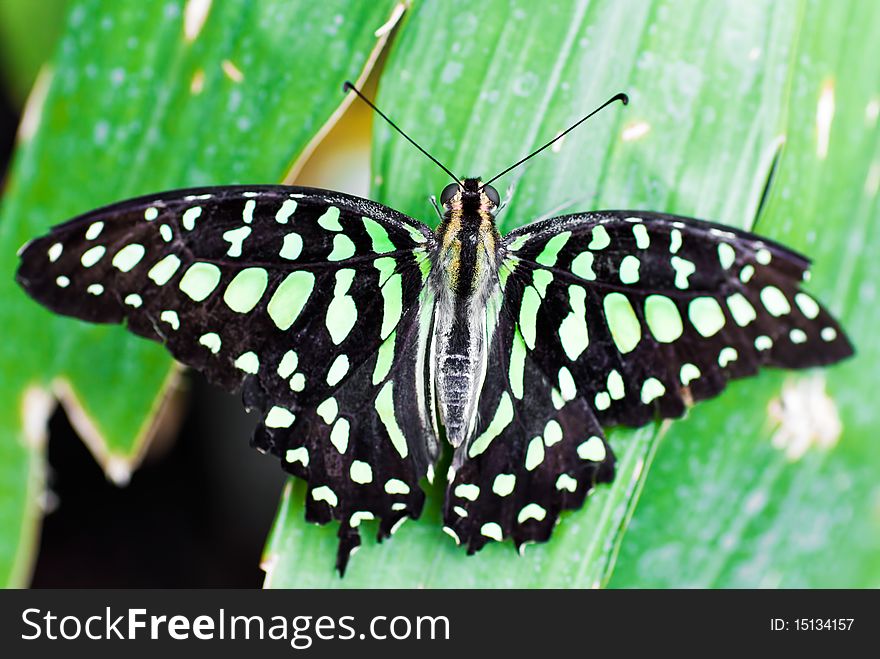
<point x="306" y="300"/>
<point x="650" y="311"/>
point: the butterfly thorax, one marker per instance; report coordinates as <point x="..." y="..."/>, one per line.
<point x="465" y="276"/>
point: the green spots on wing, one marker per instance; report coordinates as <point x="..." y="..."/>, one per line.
<point x="807" y="305"/>
<point x="593" y="449"/>
<point x="330" y="219"/>
<point x="288" y="207"/>
<point x="746" y="273"/>
<point x="392" y="301"/>
<point x="360" y="516"/>
<point x="550" y="253"/>
<point x="674" y="241"/>
<point x="415" y="234"/>
<point x="629" y="269"/>
<point x="151" y="214"/>
<point x="165" y="232"/>
<point x="599" y="238"/>
<point x="688" y="373"/>
<point x="200" y="280"/>
<point x="287" y="365"/>
<point x="504" y="484"/>
<point x="502" y="418"/>
<point x="763" y="256"/>
<point x="134" y="300"/>
<point x="774" y="301"/>
<point x="741" y="309"/>
<point x="602" y="401"/>
<point x="552" y="433"/>
<point x="492" y="530"/>
<point x="643" y="240"/>
<point x="361" y="472"/>
<point x="582" y="266"/>
<point x="91" y="256"/>
<point x="541" y="279"/>
<point x="164" y="270"/>
<point x="190" y="216"/>
<point x="291" y="247"/>
<point x="828" y="333"/>
<point x="726" y="255"/>
<point x="384" y="359"/>
<point x="683" y="269"/>
<point x="706" y="316"/>
<point x="797" y="335"/>
<point x="95" y="289"/>
<point x="663" y="318"/>
<point x="247" y="215"/>
<point x="55" y="251"/>
<point x="211" y="341"/>
<point x="567" y="483"/>
<point x="531" y="511"/>
<point x="467" y="491"/>
<point x="386" y="267"/>
<point x="290" y="297"/>
<point x="763" y="342"/>
<point x="528" y="316"/>
<point x="324" y="493"/>
<point x="567" y="387"/>
<point x="337" y="370"/>
<point x="248" y="362"/>
<point x="726" y="356"/>
<point x="298" y="382"/>
<point x="236" y="238"/>
<point x="615" y="385"/>
<point x="342" y="312"/>
<point x="245" y="290"/>
<point x="385" y="409"/>
<point x="517" y="365"/>
<point x="622" y="322"/>
<point x="396" y="486"/>
<point x="300" y="454"/>
<point x="278" y="417"/>
<point x="128" y="257"/>
<point x="339" y="435"/>
<point x="518" y="242"/>
<point x="343" y="248"/>
<point x="535" y="453"/>
<point x="379" y="236"/>
<point x="328" y="410"/>
<point x="573" y="332"/>
<point x="652" y="389"/>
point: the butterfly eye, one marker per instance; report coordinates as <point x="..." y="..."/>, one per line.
<point x="448" y="193"/>
<point x="492" y="193"/>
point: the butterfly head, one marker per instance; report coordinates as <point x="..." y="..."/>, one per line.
<point x="470" y="195"/>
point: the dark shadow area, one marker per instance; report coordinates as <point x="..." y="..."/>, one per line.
<point x="196" y="516"/>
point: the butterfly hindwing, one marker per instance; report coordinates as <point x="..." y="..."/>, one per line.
<point x="537" y="450"/>
<point x="292" y="295"/>
<point x="649" y="312"/>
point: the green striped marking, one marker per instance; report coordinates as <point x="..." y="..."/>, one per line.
<point x="342" y="313"/>
<point x="528" y="316"/>
<point x="384" y="359"/>
<point x="573" y="332"/>
<point x="385" y="408"/>
<point x="550" y="253"/>
<point x="582" y="266"/>
<point x="343" y="248"/>
<point x="502" y="418"/>
<point x="379" y="236"/>
<point x="517" y="365"/>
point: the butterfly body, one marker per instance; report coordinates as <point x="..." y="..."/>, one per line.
<point x="356" y="332"/>
<point x="465" y="277"/>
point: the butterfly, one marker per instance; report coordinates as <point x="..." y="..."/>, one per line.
<point x="368" y="341"/>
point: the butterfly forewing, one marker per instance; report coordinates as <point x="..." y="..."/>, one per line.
<point x="308" y="301"/>
<point x="648" y="312"/>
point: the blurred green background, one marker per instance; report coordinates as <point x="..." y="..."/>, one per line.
<point x="759" y="114"/>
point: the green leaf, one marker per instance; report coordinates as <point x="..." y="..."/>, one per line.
<point x="716" y="90"/>
<point x="24" y="50"/>
<point x="144" y="97"/>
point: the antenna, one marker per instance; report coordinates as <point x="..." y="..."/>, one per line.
<point x="623" y="98"/>
<point x="350" y="87"/>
